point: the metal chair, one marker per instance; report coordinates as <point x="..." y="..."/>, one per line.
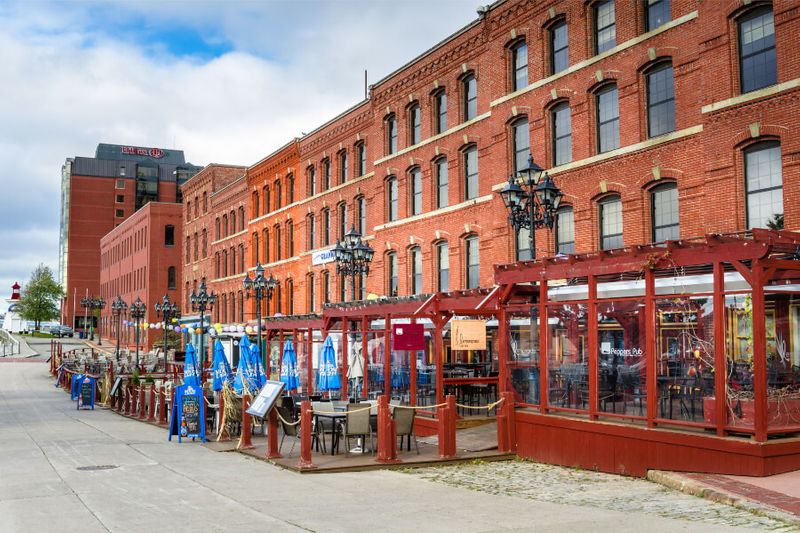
<point x="404" y="423"/>
<point x="357" y="424"/>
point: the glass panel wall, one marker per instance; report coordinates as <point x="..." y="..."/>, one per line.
<point x="523" y="355"/>
<point x="567" y="360"/>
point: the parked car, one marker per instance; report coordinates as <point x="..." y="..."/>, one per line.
<point x="61" y="331"/>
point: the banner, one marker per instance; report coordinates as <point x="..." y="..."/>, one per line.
<point x="468" y="334"/>
<point x="408" y="337"/>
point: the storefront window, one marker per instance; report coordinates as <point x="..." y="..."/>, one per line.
<point x="523" y="354"/>
<point x="782" y="325"/>
<point x="685" y="358"/>
<point x="621" y="361"/>
<point x="567" y="359"/>
<point x="376" y="354"/>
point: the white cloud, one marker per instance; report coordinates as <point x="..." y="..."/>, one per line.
<point x="69" y="83"/>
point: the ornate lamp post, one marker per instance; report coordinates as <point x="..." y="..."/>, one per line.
<point x="167" y="310"/>
<point x="202" y="301"/>
<point x="92" y="303"/>
<point x="261" y="288"/>
<point x="138" y="310"/>
<point x="352" y="257"/>
<point x="118" y="308"/>
<point x="534" y="204"/>
<point x="86" y="304"/>
<point x="99" y="303"/>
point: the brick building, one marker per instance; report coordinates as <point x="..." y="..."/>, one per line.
<point x="99" y="193"/>
<point x="141" y="258"/>
<point x="658" y="120"/>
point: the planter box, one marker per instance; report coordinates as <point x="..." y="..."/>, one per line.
<point x="782" y="416"/>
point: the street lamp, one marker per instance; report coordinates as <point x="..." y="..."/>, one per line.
<point x="138" y="309"/>
<point x="202" y="301"/>
<point x="90" y="302"/>
<point x="167" y="310"/>
<point x="534" y="204"/>
<point x="118" y="308"/>
<point x="262" y="288"/>
<point x="352" y="257"/>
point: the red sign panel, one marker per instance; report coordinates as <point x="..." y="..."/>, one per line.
<point x="155" y="153"/>
<point x="408" y="337"/>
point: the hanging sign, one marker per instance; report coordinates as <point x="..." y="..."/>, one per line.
<point x="320" y="258"/>
<point x="266" y="398"/>
<point x="468" y="334"/>
<point x="86" y="391"/>
<point x="188" y="414"/>
<point x="408" y="337"/>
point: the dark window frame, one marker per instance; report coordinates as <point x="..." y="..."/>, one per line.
<point x="469" y="101"/>
<point x="609" y="241"/>
<point x="598" y="29"/>
<point x="667" y="102"/>
<point x="560" y="157"/>
<point x="518" y="70"/>
<point x="654" y="206"/>
<point x="469" y="194"/>
<point x="555" y="51"/>
<point x="415" y="191"/>
<point x="769" y="51"/>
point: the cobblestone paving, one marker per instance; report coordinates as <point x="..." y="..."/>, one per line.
<point x="554" y="484"/>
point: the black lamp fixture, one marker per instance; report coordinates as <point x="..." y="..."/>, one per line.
<point x="261" y="288"/>
<point x="138" y="310"/>
<point x="167" y="310"/>
<point x="118" y="309"/>
<point x="201" y="302"/>
<point x="532" y="199"/>
<point x="353" y="257"/>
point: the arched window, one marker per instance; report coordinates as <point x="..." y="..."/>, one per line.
<point x="326" y="227"/>
<point x="205" y="243"/>
<point x="415" y="255"/>
<point x="757" y="59"/>
<point x="607" y="102"/>
<point x="241" y="218"/>
<point x="326" y="287"/>
<point x="391" y="134"/>
<point x="278" y="196"/>
<point x="326" y="174"/>
<point x="442" y="190"/>
<point x="763" y="184"/>
<point x="205" y="202"/>
<point x="224" y="225"/>
<point x="311" y="233"/>
<point x="218" y="230"/>
<point x="414" y="124"/>
<point x="289" y="297"/>
<point x="605" y="26"/>
<point x="565" y="231"/>
<point x="241" y="258"/>
<point x="469" y="94"/>
<point x="521" y="143"/>
<point x="278" y="251"/>
<point x="290" y="189"/>
<point x="255" y="204"/>
<point x="241" y="306"/>
<point x="391" y="199"/>
<point x="233" y="222"/>
<point x="443" y="266"/>
<point x="470" y="172"/>
<point x="610" y="219"/>
<point x="519" y="65"/>
<point x="255" y="247"/>
<point x="440" y="110"/>
<point x="664" y="213"/>
<point x="361" y="204"/>
<point x="559" y="47"/>
<point x="172" y="281"/>
<point x="392" y="269"/>
<point x="561" y="126"/>
<point x="342" y="209"/>
<point x="289" y="238"/>
<point x="217" y="269"/>
<point x="224" y="263"/>
<point x="265" y="245"/>
<point x="660" y="100"/>
<point x="232" y="270"/>
<point x="311" y="176"/>
<point x="472" y="262"/>
<point x="361" y="152"/>
<point x="344" y="170"/>
<point x="415" y="191"/>
<point x="266" y="201"/>
<point x="311" y="293"/>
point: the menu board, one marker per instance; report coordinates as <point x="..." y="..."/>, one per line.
<point x="190" y="419"/>
<point x="188" y="414"/>
<point x="266" y="398"/>
<point x="86" y="390"/>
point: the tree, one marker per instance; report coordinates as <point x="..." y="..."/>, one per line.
<point x="40" y="297"/>
<point x="775" y="221"/>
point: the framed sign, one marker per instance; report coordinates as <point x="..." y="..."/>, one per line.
<point x="468" y="334"/>
<point x="74" y="387"/>
<point x="266" y="398"/>
<point x="408" y="337"/>
<point x="188" y="414"/>
<point x="86" y="390"/>
<point x="115" y="387"/>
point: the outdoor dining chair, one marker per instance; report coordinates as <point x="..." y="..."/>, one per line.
<point x="324" y="425"/>
<point x="288" y="429"/>
<point x="357" y="425"/>
<point x="404" y="424"/>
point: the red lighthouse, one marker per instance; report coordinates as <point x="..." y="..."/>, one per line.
<point x="15" y="291"/>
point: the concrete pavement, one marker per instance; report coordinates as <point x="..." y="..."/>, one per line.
<point x="49" y="454"/>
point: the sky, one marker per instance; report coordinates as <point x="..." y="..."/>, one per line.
<point x="226" y="81"/>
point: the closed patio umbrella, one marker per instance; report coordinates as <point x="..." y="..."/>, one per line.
<point x="190" y="369"/>
<point x="289" y="374"/>
<point x="328" y="377"/>
<point x="259" y="378"/>
<point x="222" y="370"/>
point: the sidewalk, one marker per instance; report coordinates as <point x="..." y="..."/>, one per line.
<point x="776" y="496"/>
<point x="24" y="349"/>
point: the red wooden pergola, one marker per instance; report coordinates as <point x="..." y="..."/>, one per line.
<point x="759" y="271"/>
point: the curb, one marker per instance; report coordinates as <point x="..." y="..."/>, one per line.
<point x="677" y="481"/>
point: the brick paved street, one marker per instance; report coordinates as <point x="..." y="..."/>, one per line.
<point x="553" y="484"/>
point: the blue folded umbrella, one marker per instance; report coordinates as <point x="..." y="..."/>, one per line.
<point x="190" y="369"/>
<point x="222" y="370"/>
<point x="289" y="374"/>
<point x="259" y="378"/>
<point x="328" y="377"/>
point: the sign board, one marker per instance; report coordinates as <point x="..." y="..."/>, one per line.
<point x="266" y="398"/>
<point x="188" y="414"/>
<point x="468" y="334"/>
<point x="320" y="258"/>
<point x="86" y="391"/>
<point x="60" y="375"/>
<point x="76" y="378"/>
<point x="115" y="387"/>
<point x="408" y="337"/>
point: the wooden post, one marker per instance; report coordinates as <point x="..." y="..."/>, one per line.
<point x="345" y="355"/>
<point x="305" y="463"/>
<point x="759" y="353"/>
<point x="447" y="428"/>
<point x="272" y="435"/>
<point x="412" y="374"/>
<point x="544" y="377"/>
<point x="387" y="431"/>
<point x="720" y="365"/>
<point x="142" y="401"/>
<point x="387" y="356"/>
<point x="162" y="404"/>
<point x="594" y="378"/>
<point x="651" y="368"/>
<point x="245" y="442"/>
<point x="365" y="356"/>
<point x="310" y="362"/>
<point x="502" y="342"/>
<point x="151" y="409"/>
<point x="506" y="430"/>
<point x="438" y="354"/>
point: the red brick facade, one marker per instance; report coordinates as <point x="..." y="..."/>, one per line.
<point x="702" y="154"/>
<point x="141" y="258"/>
